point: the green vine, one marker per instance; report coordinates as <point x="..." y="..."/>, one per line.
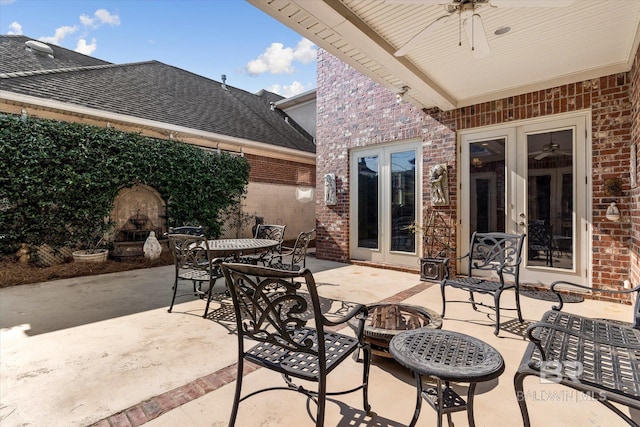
<point x="60" y="179"/>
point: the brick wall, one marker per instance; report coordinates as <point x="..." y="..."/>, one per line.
<point x="278" y="171"/>
<point x="634" y="211"/>
<point x="353" y="111"/>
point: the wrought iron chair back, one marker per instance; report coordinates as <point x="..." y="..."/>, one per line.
<point x="187" y="229"/>
<point x="275" y="309"/>
<point x="540" y="239"/>
<point x="270" y="231"/>
<point x="193" y="261"/>
<point x="298" y="254"/>
<point x="500" y="252"/>
<point x="266" y="231"/>
<point x="496" y="253"/>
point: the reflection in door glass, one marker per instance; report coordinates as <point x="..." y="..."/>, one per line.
<point x="487" y="180"/>
<point x="368" y="202"/>
<point x="403" y="201"/>
<point x="550" y="199"/>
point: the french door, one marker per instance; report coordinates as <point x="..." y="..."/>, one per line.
<point x="385" y="201"/>
<point x="531" y="177"/>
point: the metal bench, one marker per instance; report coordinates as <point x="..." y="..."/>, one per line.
<point x="598" y="357"/>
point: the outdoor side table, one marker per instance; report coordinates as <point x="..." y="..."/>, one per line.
<point x="446" y="356"/>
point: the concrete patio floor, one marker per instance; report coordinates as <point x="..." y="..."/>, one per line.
<point x="103" y="351"/>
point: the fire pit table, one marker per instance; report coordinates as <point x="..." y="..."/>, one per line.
<point x="386" y="320"/>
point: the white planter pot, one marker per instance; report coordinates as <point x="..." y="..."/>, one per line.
<point x="100" y="255"/>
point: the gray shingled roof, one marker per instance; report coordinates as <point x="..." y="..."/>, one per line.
<point x="149" y="90"/>
<point x="14" y="57"/>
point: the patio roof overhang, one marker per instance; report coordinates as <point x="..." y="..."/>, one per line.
<point x="545" y="46"/>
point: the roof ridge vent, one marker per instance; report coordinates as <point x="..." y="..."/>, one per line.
<point x="39" y="48"/>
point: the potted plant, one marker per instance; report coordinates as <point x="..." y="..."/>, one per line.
<point x="93" y="247"/>
<point x="436" y="233"/>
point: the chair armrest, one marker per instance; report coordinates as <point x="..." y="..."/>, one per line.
<point x="609" y="291"/>
<point x="357" y="309"/>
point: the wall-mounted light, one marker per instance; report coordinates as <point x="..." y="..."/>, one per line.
<point x="613" y="213"/>
<point x="400" y="95"/>
<point x="476" y="162"/>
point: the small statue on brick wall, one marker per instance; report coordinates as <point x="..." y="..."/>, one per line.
<point x="439" y="185"/>
<point x="330" y="197"/>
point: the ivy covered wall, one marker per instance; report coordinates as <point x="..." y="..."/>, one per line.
<point x="59" y="180"/>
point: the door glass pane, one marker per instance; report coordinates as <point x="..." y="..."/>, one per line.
<point x="487" y="181"/>
<point x="550" y="199"/>
<point x="403" y="201"/>
<point x="368" y="224"/>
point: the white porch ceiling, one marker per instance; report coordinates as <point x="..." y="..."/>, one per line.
<point x="546" y="47"/>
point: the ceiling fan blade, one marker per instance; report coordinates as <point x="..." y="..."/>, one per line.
<point x="532" y="3"/>
<point x="476" y="36"/>
<point x="421" y="2"/>
<point x="422" y="35"/>
<point x="542" y="155"/>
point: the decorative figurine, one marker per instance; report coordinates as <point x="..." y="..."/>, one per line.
<point x="439" y="185"/>
<point x="152" y="248"/>
<point x="330" y="197"/>
<point x="23" y="253"/>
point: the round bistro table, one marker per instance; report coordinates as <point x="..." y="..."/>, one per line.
<point x="236" y="247"/>
<point x="446" y="356"/>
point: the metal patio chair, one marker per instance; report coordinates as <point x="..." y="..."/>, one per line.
<point x="266" y="231"/>
<point x="540" y="239"/>
<point x="298" y="254"/>
<point x="193" y="262"/>
<point x="491" y="256"/>
<point x="272" y="308"/>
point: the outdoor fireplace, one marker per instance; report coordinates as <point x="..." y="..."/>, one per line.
<point x="137" y="211"/>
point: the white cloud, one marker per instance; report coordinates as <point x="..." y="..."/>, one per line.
<point x="288" y="90"/>
<point x="60" y="34"/>
<point x="100" y="17"/>
<point x="278" y="59"/>
<point x="15" y="29"/>
<point x="84" y="48"/>
<point x="107" y="18"/>
<point x="305" y="51"/>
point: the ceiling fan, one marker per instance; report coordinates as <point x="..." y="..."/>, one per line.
<point x="466" y="10"/>
<point x="550" y="149"/>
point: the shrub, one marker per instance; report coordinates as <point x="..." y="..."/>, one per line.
<point x="60" y="179"/>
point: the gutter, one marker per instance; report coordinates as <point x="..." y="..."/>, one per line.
<point x="172" y="131"/>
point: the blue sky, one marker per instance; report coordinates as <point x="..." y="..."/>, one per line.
<point x="206" y="37"/>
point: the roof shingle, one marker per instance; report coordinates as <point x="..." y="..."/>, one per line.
<point x="148" y="90"/>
